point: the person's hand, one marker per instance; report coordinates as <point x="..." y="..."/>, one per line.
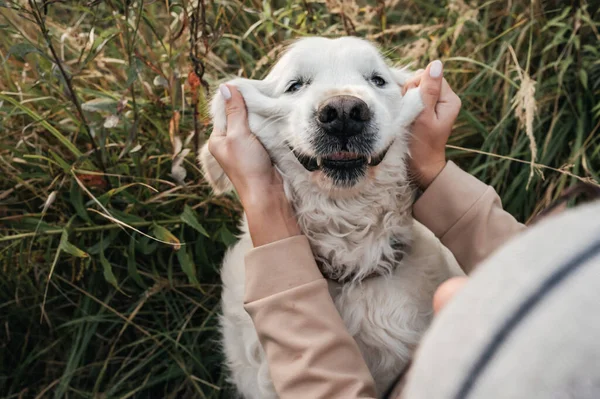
<point x="247" y="164"/>
<point x="446" y="291"/>
<point x="432" y="128"/>
<point x="240" y="153"/>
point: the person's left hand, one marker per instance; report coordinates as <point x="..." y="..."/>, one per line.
<point x="432" y="128"/>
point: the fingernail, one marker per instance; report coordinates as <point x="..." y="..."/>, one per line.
<point x="435" y="70"/>
<point x="225" y="92"/>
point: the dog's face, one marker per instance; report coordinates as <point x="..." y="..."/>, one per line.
<point x="329" y="110"/>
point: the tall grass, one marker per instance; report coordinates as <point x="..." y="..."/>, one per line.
<point x="109" y="238"/>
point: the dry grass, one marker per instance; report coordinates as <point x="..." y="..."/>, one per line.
<point x="109" y="238"/>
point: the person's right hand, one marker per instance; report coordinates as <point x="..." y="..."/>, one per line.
<point x="247" y="164"/>
<point x="432" y="128"/>
<point x="241" y="155"/>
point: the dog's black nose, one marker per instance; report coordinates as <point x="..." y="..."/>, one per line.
<point x="343" y="116"/>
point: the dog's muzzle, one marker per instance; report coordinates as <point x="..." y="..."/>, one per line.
<point x="342" y="159"/>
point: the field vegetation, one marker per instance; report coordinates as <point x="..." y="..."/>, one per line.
<point x="110" y="240"/>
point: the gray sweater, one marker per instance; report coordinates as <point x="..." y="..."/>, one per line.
<point x="528" y="323"/>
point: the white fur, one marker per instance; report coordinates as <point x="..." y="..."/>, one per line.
<point x="351" y="230"/>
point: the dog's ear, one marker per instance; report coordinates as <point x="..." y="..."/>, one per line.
<point x="401" y="75"/>
<point x="213" y="173"/>
<point x="259" y="105"/>
<point x="412" y="103"/>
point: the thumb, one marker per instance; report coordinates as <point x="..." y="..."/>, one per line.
<point x="235" y="108"/>
<point x="431" y="84"/>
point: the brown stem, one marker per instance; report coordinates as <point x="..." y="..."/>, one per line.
<point x="68" y="81"/>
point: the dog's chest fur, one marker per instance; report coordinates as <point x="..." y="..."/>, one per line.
<point x="357" y="238"/>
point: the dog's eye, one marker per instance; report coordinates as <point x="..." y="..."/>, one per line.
<point x="294" y="87"/>
<point x="378" y="81"/>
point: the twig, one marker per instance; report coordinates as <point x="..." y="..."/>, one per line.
<point x="198" y="32"/>
<point x="40" y="20"/>
<point x="534" y="164"/>
<point x="88" y="229"/>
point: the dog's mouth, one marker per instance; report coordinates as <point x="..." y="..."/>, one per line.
<point x="343" y="160"/>
<point x="343" y="167"/>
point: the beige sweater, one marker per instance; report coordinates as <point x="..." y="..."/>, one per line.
<point x="310" y="353"/>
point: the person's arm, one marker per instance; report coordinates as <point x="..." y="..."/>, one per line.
<point x="465" y="214"/>
<point x="309" y="351"/>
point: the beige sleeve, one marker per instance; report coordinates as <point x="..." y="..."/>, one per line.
<point x="309" y="350"/>
<point x="466" y="215"/>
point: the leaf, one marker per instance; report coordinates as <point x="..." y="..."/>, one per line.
<point x="29" y="223"/>
<point x="189" y="217"/>
<point x="42" y="121"/>
<point x="124" y="217"/>
<point x="100" y="105"/>
<point x="104" y="243"/>
<point x="69" y="248"/>
<point x="188" y="267"/>
<point x="22" y="49"/>
<point x="132" y="72"/>
<point x="132" y="266"/>
<point x="63" y="164"/>
<point x="226" y="236"/>
<point x="146" y="246"/>
<point x="77" y="202"/>
<point x="583" y="76"/>
<point x="165" y="235"/>
<point x="109" y="276"/>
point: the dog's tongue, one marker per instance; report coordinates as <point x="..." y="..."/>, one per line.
<point x="339" y="156"/>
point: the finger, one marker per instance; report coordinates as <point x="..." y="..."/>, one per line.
<point x="446" y="291"/>
<point x="411" y="83"/>
<point x="431" y="84"/>
<point x="217" y="133"/>
<point x="216" y="145"/>
<point x="449" y="103"/>
<point x="235" y="110"/>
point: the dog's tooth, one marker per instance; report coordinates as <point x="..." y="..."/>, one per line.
<point x="319" y="162"/>
<point x="369" y="160"/>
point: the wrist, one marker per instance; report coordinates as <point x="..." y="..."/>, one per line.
<point x="426" y="174"/>
<point x="270" y="217"/>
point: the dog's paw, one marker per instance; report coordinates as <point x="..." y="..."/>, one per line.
<point x="412" y="106"/>
<point x="213" y="173"/>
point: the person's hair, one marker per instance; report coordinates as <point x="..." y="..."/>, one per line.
<point x="580" y="192"/>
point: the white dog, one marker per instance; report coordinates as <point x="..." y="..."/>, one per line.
<point x="332" y="116"/>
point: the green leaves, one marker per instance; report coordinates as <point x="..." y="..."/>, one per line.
<point x="109" y="276"/>
<point x="132" y="265"/>
<point x="77" y="202"/>
<point x="188" y="266"/>
<point x="20" y="50"/>
<point x="166" y="236"/>
<point x="43" y="122"/>
<point x="189" y="217"/>
<point x="107" y="105"/>
<point x="226" y="236"/>
<point x="69" y="248"/>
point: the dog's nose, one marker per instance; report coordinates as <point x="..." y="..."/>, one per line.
<point x="343" y="116"/>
